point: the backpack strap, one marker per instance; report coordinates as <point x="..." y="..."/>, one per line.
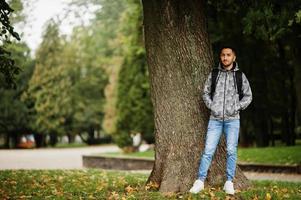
<point x="238" y="78"/>
<point x="214" y="75"/>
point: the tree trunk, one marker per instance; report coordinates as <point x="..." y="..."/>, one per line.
<point x="40" y="140"/>
<point x="7" y="141"/>
<point x="179" y="59"/>
<point x="293" y="106"/>
<point x="53" y="139"/>
<point x="261" y="110"/>
<point x="71" y="138"/>
<point x="288" y="121"/>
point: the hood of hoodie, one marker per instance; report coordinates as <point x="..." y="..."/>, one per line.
<point x="235" y="67"/>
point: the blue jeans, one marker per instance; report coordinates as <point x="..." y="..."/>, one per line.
<point x="215" y="129"/>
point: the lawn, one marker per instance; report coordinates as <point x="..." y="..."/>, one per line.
<point x="102" y="184"/>
<point x="271" y="155"/>
<point x="267" y="155"/>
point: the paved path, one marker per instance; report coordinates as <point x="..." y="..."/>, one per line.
<point x="273" y="176"/>
<point x="71" y="158"/>
<point x="57" y="158"/>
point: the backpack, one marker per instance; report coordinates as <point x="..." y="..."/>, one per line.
<point x="237" y="80"/>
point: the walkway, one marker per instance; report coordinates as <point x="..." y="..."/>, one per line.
<point x="55" y="158"/>
<point x="71" y="158"/>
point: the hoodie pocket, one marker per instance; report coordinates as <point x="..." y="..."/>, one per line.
<point x="232" y="106"/>
<point x="217" y="108"/>
<point x="237" y="103"/>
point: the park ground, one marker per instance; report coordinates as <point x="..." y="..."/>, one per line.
<point x="106" y="184"/>
<point x="58" y="174"/>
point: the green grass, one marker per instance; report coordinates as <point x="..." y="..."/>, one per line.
<point x="271" y="155"/>
<point x="101" y="184"/>
<point x="75" y="145"/>
<point x="66" y="145"/>
<point x="145" y="154"/>
<point x="267" y="155"/>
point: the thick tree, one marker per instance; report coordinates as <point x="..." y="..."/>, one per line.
<point x="179" y="59"/>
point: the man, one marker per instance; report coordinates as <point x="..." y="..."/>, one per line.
<point x="225" y="103"/>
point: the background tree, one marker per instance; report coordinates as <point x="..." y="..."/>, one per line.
<point x="133" y="104"/>
<point x="13" y="112"/>
<point x="263" y="33"/>
<point x="8" y="68"/>
<point x="276" y="30"/>
<point x="117" y="39"/>
<point x="103" y="46"/>
<point x="89" y="80"/>
<point x="67" y="88"/>
<point x="48" y="88"/>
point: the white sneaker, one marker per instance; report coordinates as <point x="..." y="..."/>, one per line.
<point x="228" y="187"/>
<point x="198" y="185"/>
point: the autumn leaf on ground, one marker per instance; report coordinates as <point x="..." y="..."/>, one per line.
<point x="268" y="196"/>
<point x="122" y="181"/>
<point x="114" y="196"/>
<point x="152" y="185"/>
<point x="101" y="186"/>
<point x="129" y="189"/>
<point x="169" y="194"/>
<point x="91" y="197"/>
<point x="286" y="196"/>
<point x="284" y="190"/>
<point x="229" y="197"/>
<point x="255" y="197"/>
<point x="237" y="191"/>
<point x="212" y="195"/>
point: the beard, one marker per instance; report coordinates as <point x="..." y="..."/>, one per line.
<point x="227" y="64"/>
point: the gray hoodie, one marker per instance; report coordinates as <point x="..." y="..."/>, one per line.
<point x="225" y="104"/>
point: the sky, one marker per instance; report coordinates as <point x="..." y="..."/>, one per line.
<point x="40" y="12"/>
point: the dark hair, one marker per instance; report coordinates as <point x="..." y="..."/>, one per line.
<point x="228" y="47"/>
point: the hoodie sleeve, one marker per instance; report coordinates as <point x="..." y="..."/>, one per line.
<point x="246" y="89"/>
<point x="206" y="92"/>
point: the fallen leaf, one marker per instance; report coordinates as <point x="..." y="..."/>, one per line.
<point x="229" y="198"/>
<point x="129" y="189"/>
<point x="122" y="181"/>
<point x="114" y="196"/>
<point x="169" y="194"/>
<point x="268" y="196"/>
<point x="286" y="196"/>
<point x="255" y="197"/>
<point x="284" y="190"/>
<point x="151" y="185"/>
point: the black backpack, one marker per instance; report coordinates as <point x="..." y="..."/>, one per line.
<point x="238" y="82"/>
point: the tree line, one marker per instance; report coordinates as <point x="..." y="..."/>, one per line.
<point x="95" y="82"/>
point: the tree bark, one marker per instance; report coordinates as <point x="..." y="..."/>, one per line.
<point x="179" y="60"/>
